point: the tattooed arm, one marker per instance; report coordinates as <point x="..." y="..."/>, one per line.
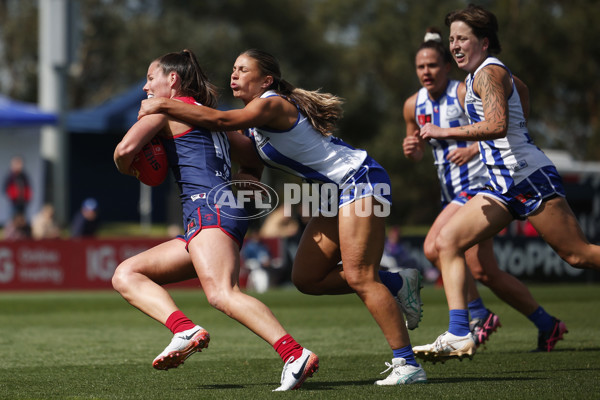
<point x="493" y="85"/>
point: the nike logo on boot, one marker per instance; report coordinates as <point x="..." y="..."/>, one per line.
<point x="298" y="374"/>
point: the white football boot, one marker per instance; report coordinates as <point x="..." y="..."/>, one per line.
<point x="295" y="372"/>
<point x="409" y="296"/>
<point x="183" y="345"/>
<point x="402" y="374"/>
<point x="447" y="346"/>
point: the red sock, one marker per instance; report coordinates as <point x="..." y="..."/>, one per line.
<point x="287" y="347"/>
<point x="178" y="322"/>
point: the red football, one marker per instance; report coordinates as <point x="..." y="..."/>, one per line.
<point x="150" y="164"/>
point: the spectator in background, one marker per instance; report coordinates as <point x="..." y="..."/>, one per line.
<point x="257" y="260"/>
<point x="289" y="230"/>
<point x="395" y="255"/>
<point x="17" y="228"/>
<point x="43" y="225"/>
<point x="85" y="223"/>
<point x="16" y="186"/>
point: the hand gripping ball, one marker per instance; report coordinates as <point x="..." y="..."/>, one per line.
<point x="150" y="164"/>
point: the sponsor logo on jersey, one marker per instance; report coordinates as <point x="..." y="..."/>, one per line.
<point x="198" y="196"/>
<point x="424" y="118"/>
<point x="191" y="226"/>
<point x="453" y="112"/>
<point x="519" y="165"/>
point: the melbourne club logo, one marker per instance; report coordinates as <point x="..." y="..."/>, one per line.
<point x="257" y="198"/>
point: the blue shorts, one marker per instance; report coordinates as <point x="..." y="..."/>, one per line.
<point x="370" y="180"/>
<point x="526" y="197"/>
<point x="462" y="197"/>
<point x="232" y="221"/>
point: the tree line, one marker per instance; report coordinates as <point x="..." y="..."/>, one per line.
<point x="361" y="50"/>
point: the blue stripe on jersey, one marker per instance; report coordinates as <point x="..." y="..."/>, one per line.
<point x="443" y="145"/>
<point x="278" y="158"/>
<point x="499" y="166"/>
<point x="463" y="169"/>
<point x="483" y="155"/>
<point x="447" y="111"/>
<point x="485" y="159"/>
<point x="302" y="151"/>
<point x="221" y="144"/>
<point x="436" y="114"/>
<point x="472" y="113"/>
<point x="502" y="168"/>
<point x="448" y="182"/>
<point x="512" y="158"/>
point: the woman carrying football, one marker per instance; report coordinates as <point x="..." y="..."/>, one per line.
<point x="291" y="129"/>
<point x="209" y="249"/>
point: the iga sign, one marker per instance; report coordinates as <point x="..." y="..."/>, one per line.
<point x="67" y="264"/>
<point x="101" y="262"/>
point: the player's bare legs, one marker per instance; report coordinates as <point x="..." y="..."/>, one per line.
<point x="358" y="242"/>
<point x="360" y="239"/>
<point x="504" y="285"/>
<point x="139" y="278"/>
<point x="484" y="268"/>
<point x="482" y="321"/>
<point x="216" y="259"/>
<point x="431" y="252"/>
<point x="486" y="217"/>
<point x="361" y="244"/>
<point x="316" y="267"/>
<point x="479" y="219"/>
<point x="569" y="241"/>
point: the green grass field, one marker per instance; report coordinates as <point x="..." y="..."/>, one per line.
<point x="93" y="345"/>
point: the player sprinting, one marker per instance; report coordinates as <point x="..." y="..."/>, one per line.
<point x="461" y="175"/>
<point x="523" y="181"/>
<point x="209" y="250"/>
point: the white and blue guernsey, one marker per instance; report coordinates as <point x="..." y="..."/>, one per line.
<point x="447" y="112"/>
<point x="302" y="151"/>
<point x="513" y="158"/>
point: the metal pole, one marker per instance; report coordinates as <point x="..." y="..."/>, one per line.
<point x="53" y="54"/>
<point x="145" y="207"/>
